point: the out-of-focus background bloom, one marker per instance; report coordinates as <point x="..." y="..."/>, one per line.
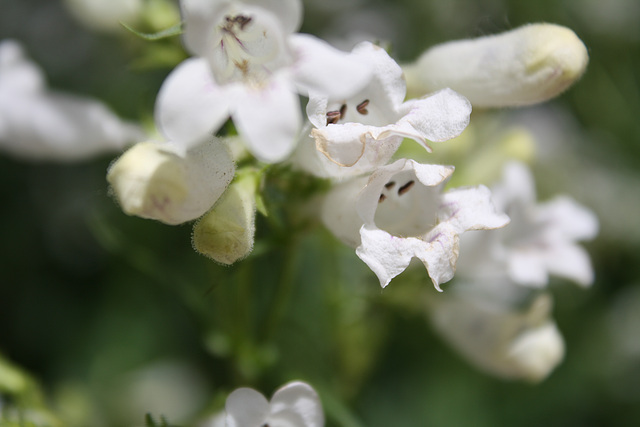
<point x="116" y="316"/>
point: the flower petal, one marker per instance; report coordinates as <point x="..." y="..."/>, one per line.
<point x="440" y="253"/>
<point x="339" y="212"/>
<point x="269" y="120"/>
<point x="297" y="400"/>
<point x="570" y="261"/>
<point x="385" y="254"/>
<point x="190" y="104"/>
<point x="471" y="209"/>
<point x="439" y="117"/>
<point x="322" y="69"/>
<point x="246" y="408"/>
<point x="567" y="219"/>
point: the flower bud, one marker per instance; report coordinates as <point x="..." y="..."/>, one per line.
<point x="498" y="338"/>
<point x="524" y="66"/>
<point x="151" y="181"/>
<point x="225" y="233"/>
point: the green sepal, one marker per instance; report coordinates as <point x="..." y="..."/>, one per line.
<point x="176" y="30"/>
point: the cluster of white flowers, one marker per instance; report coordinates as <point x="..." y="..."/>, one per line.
<point x="250" y="66"/>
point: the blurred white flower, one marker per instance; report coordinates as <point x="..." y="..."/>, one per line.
<point x="105" y="15"/>
<point x="156" y="181"/>
<point x="362" y="132"/>
<point x="527" y="65"/>
<point x="539" y="241"/>
<point x="404" y="214"/>
<point x="250" y="66"/>
<point x="295" y="404"/>
<point x="39" y="124"/>
<point x="490" y="331"/>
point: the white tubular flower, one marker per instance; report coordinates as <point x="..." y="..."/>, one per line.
<point x="156" y="181"/>
<point x="362" y="132"/>
<point x="250" y="66"/>
<point x="528" y="65"/>
<point x="539" y="241"/>
<point x="497" y="338"/>
<point x="405" y="215"/>
<point x="39" y="124"/>
<point x="295" y="404"/>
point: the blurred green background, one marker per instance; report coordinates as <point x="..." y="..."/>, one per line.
<point x="116" y="316"/>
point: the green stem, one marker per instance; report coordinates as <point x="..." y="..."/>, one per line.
<point x="284" y="291"/>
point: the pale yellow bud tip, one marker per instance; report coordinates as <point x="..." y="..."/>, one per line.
<point x="148" y="182"/>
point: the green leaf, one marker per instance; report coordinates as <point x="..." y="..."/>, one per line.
<point x="176" y="30"/>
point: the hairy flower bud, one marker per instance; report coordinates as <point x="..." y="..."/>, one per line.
<point x="225" y="233"/>
<point x="524" y="66"/>
<point x="150" y="180"/>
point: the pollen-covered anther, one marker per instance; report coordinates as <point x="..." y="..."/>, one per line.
<point x="333" y="117"/>
<point x="362" y="107"/>
<point x="406" y="187"/>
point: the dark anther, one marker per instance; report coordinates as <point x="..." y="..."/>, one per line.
<point x="405" y="187"/>
<point x="333" y="117"/>
<point x="389" y="185"/>
<point x="362" y="107"/>
<point x="381" y="198"/>
<point x="243" y="21"/>
<point x="343" y="110"/>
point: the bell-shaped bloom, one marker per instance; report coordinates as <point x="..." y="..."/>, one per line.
<point x="404" y="214"/>
<point x="249" y="65"/>
<point x="541" y="239"/>
<point x="225" y="233"/>
<point x="294" y="404"/>
<point x="156" y="181"/>
<point x="39" y="124"/>
<point x="524" y="66"/>
<point x="495" y="335"/>
<point x="360" y="133"/>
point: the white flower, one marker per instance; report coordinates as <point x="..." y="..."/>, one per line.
<point x="490" y="332"/>
<point x="527" y="65"/>
<point x="250" y="66"/>
<point x="39" y="124"/>
<point x="539" y="241"/>
<point x="295" y="404"/>
<point x="156" y="181"/>
<point x="362" y="132"/>
<point x="404" y="214"/>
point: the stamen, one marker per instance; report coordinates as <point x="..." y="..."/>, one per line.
<point x="362" y="107"/>
<point x="343" y="110"/>
<point x="389" y="185"/>
<point x="333" y="117"/>
<point x="243" y="21"/>
<point x="382" y="198"/>
<point x="405" y="187"/>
